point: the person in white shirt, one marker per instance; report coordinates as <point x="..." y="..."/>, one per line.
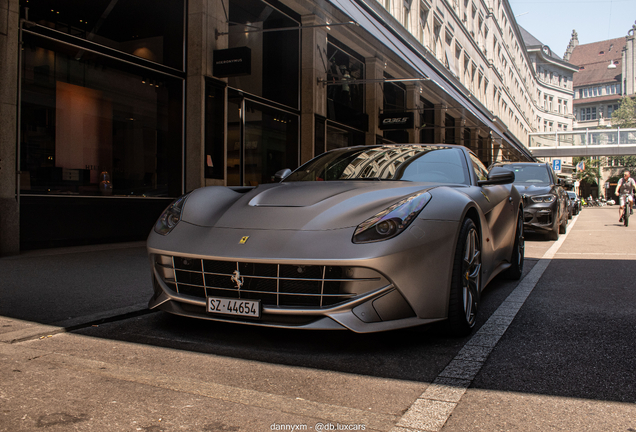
<point x="624" y="189"/>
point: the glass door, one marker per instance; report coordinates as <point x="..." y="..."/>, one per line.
<point x="261" y="141"/>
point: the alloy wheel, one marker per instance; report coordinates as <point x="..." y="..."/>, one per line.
<point x="471" y="273"/>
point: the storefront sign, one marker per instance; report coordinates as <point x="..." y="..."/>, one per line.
<point x="232" y="62"/>
<point x="400" y="120"/>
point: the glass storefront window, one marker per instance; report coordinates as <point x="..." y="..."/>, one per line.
<point x="94" y="126"/>
<point x="261" y="141"/>
<point x="339" y="137"/>
<point x="144" y="28"/>
<point x="394" y="101"/>
<point x="427" y="122"/>
<point x="275" y="55"/>
<point x="214" y="161"/>
<point x="449" y="126"/>
<point x="345" y="102"/>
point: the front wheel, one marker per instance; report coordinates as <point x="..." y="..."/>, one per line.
<point x="553" y="234"/>
<point x="518" y="252"/>
<point x="626" y="215"/>
<point x="465" y="281"/>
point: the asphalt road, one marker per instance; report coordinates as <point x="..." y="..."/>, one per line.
<point x="564" y="361"/>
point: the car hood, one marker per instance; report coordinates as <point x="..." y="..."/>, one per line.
<point x="297" y="205"/>
<point x="531" y="190"/>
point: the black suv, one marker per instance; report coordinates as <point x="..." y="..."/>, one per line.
<point x="576" y="202"/>
<point x="545" y="202"/>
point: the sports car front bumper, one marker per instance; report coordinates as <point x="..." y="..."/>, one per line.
<point x="307" y="279"/>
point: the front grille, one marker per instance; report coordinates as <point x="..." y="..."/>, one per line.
<point x="273" y="284"/>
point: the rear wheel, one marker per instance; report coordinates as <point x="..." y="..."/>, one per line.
<point x="465" y="282"/>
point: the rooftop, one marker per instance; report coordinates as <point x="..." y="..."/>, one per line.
<point x="593" y="59"/>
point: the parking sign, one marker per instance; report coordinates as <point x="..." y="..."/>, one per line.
<point x="556" y="165"/>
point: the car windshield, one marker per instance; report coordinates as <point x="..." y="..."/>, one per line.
<point x="418" y="163"/>
<point x="535" y="174"/>
<point x="572" y="195"/>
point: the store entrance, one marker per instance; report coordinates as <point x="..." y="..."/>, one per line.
<point x="261" y="140"/>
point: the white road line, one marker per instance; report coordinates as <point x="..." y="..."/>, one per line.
<point x="433" y="408"/>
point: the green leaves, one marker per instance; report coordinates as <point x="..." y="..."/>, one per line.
<point x="625" y="115"/>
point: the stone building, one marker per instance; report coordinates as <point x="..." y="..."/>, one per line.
<point x="605" y="74"/>
<point x="110" y="110"/>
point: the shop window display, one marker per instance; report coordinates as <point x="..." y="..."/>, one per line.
<point x="92" y="126"/>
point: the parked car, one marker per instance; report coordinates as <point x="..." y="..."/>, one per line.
<point x="545" y="202"/>
<point x="366" y="238"/>
<point x="576" y="202"/>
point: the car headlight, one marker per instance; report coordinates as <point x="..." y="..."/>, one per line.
<point x="392" y="220"/>
<point x="543" y="198"/>
<point x="170" y="216"/>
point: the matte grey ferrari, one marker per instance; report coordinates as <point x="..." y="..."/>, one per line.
<point x="367" y="238"/>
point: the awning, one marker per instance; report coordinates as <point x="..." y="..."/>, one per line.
<point x="363" y="14"/>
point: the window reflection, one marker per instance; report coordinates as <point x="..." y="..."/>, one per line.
<point x="86" y="122"/>
<point x="147" y="29"/>
<point x="345" y="101"/>
<point x="275" y="55"/>
<point x="269" y="142"/>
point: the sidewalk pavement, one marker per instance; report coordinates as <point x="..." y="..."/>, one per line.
<point x="50" y="291"/>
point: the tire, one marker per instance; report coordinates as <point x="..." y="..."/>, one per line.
<point x="518" y="253"/>
<point x="465" y="282"/>
<point x="554" y="232"/>
<point x="626" y="216"/>
<point x="564" y="227"/>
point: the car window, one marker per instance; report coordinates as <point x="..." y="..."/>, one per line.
<point x="440" y="166"/>
<point x="417" y="163"/>
<point x="534" y="174"/>
<point x="480" y="169"/>
<point x="554" y="176"/>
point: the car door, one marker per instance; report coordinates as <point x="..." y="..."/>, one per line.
<point x="499" y="211"/>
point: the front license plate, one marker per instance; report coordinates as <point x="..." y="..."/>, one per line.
<point x="227" y="306"/>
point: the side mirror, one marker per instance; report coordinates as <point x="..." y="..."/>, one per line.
<point x="497" y="176"/>
<point x="282" y="174"/>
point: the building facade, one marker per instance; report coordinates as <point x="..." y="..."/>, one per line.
<point x="554" y="95"/>
<point x="112" y="109"/>
<point x="605" y="75"/>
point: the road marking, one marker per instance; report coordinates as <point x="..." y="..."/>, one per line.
<point x="433" y="408"/>
<point x="596" y="253"/>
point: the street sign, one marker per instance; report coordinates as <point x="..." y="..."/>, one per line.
<point x="556" y="165"/>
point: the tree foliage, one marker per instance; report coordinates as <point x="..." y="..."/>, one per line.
<point x="592" y="172"/>
<point x="626" y="162"/>
<point x="625" y="115"/>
